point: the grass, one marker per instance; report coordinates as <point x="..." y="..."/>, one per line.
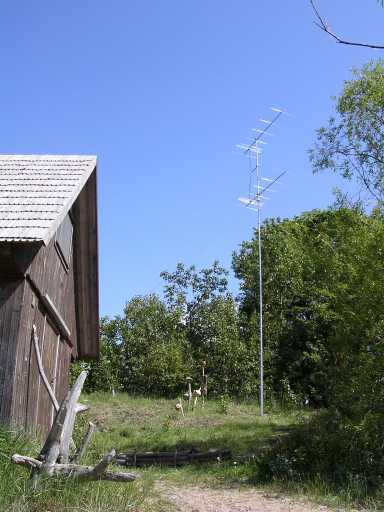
<point x="142" y="424"/>
<point x="60" y="494"/>
<point x="135" y="423"/>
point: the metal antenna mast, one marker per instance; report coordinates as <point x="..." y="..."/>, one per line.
<point x="255" y="201"/>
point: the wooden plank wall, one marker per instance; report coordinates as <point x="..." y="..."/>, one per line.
<point x="49" y="274"/>
<point x="11" y="301"/>
<point x="31" y="405"/>
<point x="23" y="398"/>
<point x="86" y="268"/>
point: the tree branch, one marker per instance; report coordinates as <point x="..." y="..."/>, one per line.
<point x="85" y="442"/>
<point x="323" y="26"/>
<point x="98" y="472"/>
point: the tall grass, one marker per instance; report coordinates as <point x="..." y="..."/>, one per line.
<point x="61" y="494"/>
<point x="135" y="423"/>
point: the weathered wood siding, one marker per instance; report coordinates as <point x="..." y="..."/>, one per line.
<point x="48" y="273"/>
<point x="31" y="406"/>
<point x="46" y="285"/>
<point x="11" y="303"/>
<point x="86" y="269"/>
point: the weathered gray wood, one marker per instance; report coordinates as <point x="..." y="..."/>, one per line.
<point x="101" y="467"/>
<point x="85" y="443"/>
<point x="86" y="268"/>
<point x="77" y="471"/>
<point x="57" y="445"/>
<point x="58" y="440"/>
<point x="70" y="417"/>
<point x="41" y="369"/>
<point x="11" y="296"/>
<point x="81" y="408"/>
<point x="55" y="315"/>
<point x="86" y="472"/>
<point x="28" y="462"/>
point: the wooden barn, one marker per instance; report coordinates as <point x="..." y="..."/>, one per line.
<point x="48" y="279"/>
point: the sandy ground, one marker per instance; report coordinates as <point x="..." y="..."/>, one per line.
<point x="196" y="499"/>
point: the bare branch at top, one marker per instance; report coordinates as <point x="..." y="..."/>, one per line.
<point x="321" y="23"/>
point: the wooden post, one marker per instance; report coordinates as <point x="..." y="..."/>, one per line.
<point x="205" y="382"/>
<point x="189" y="380"/>
<point x="179" y="406"/>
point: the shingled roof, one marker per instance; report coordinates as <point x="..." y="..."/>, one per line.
<point x="36" y="193"/>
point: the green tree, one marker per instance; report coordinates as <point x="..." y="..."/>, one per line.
<point x="318" y="270"/>
<point x="211" y="327"/>
<point x="155" y="356"/>
<point x="104" y="373"/>
<point x="352" y="144"/>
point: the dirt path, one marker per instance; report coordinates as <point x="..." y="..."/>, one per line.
<point x="196" y="499"/>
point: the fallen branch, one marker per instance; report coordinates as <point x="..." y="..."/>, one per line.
<point x="54" y="456"/>
<point x="98" y="472"/>
<point x="85" y="442"/>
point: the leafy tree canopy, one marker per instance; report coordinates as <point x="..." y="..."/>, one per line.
<point x="352" y="144"/>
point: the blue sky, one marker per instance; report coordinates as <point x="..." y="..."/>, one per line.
<point x="162" y="92"/>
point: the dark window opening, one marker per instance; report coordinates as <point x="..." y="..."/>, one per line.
<point x="64" y="241"/>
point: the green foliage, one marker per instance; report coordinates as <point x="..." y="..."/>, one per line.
<point x="324" y="279"/>
<point x="156" y="343"/>
<point x="186" y="288"/>
<point x="347" y="455"/>
<point x="154" y="355"/>
<point x="353" y="142"/>
<point x="12" y="478"/>
<point x="323" y="296"/>
<point x="211" y="327"/>
<point x="58" y="494"/>
<point x="224" y="404"/>
<point x="104" y="374"/>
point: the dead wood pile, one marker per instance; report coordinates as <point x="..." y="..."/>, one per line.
<point x="55" y="457"/>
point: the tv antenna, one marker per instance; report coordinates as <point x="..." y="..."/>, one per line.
<point x="258" y="186"/>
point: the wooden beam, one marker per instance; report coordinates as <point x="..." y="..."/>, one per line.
<point x="41" y="369"/>
<point x="54" y="314"/>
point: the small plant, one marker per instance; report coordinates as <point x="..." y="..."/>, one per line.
<point x="290" y="398"/>
<point x="224" y="404"/>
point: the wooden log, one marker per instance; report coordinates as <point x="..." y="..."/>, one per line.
<point x="61" y="430"/>
<point x="103" y="464"/>
<point x="81" y="408"/>
<point x="171" y="458"/>
<point x="84" y="443"/>
<point x="70" y="417"/>
<point x="28" y="462"/>
<point x="58" y="442"/>
<point x="77" y="471"/>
